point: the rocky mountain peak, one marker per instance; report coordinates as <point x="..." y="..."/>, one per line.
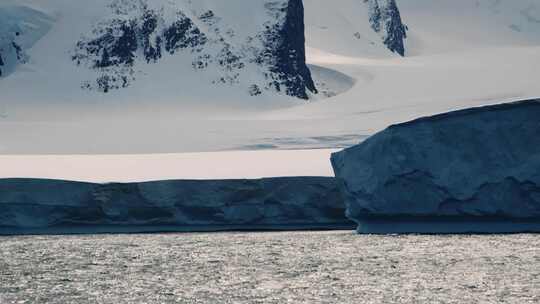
<point x="137" y="33"/>
<point x="385" y="19"/>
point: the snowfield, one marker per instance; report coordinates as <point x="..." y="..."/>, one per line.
<point x="150" y="167"/>
<point x="458" y="54"/>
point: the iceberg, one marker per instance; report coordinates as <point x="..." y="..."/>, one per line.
<point x="39" y="206"/>
<point x="469" y="171"/>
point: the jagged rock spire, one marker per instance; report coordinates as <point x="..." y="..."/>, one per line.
<point x="278" y="51"/>
<point x="385" y="19"/>
<point x="290" y="53"/>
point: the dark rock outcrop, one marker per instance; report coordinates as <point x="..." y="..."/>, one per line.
<point x="18" y="51"/>
<point x="183" y="34"/>
<point x="278" y="52"/>
<point x="40" y="206"/>
<point x="21" y="27"/>
<point x="151" y="45"/>
<point x="475" y="170"/>
<point x="118" y="42"/>
<point x="1" y="64"/>
<point x="385" y="19"/>
<point x="11" y="54"/>
<point x="285" y="50"/>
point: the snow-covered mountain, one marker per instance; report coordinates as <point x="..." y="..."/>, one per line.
<point x="108" y="45"/>
<point x="117" y="42"/>
<point x="372" y="28"/>
<point x="20" y="28"/>
<point x="142" y="32"/>
<point x="209" y="75"/>
<point x="385" y="19"/>
<point x="429" y="27"/>
<point x="446" y="26"/>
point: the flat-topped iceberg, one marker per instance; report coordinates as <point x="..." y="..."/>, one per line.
<point x="474" y="170"/>
<point x="52" y="206"/>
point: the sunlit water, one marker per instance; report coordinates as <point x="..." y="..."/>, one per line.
<point x="277" y="267"/>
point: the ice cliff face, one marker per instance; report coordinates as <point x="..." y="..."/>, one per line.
<point x="145" y="32"/>
<point x="248" y="204"/>
<point x="385" y="19"/>
<point x="478" y="164"/>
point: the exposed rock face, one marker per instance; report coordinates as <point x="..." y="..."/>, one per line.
<point x="286" y="53"/>
<point x="278" y="203"/>
<point x="120" y="41"/>
<point x="472" y="166"/>
<point x="385" y="19"/>
<point x="11" y="54"/>
<point x="20" y="28"/>
<point x="1" y="64"/>
<point x="139" y="32"/>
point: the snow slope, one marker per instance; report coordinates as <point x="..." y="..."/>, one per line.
<point x="153" y="50"/>
<point x="441" y="26"/>
<point x="350" y="27"/>
<point x="458" y="54"/>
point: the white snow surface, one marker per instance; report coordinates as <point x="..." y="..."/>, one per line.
<point x="150" y="167"/>
<point x="460" y="54"/>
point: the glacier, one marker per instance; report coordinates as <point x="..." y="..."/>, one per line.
<point x="473" y="170"/>
<point x="40" y="206"/>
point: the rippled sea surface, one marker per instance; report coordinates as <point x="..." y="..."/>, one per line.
<point x="275" y="267"/>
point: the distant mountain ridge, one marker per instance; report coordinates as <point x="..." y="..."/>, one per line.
<point x="136" y="33"/>
<point x="149" y="32"/>
<point x="191" y="52"/>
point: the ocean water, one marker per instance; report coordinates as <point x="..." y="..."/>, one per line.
<point x="273" y="267"/>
